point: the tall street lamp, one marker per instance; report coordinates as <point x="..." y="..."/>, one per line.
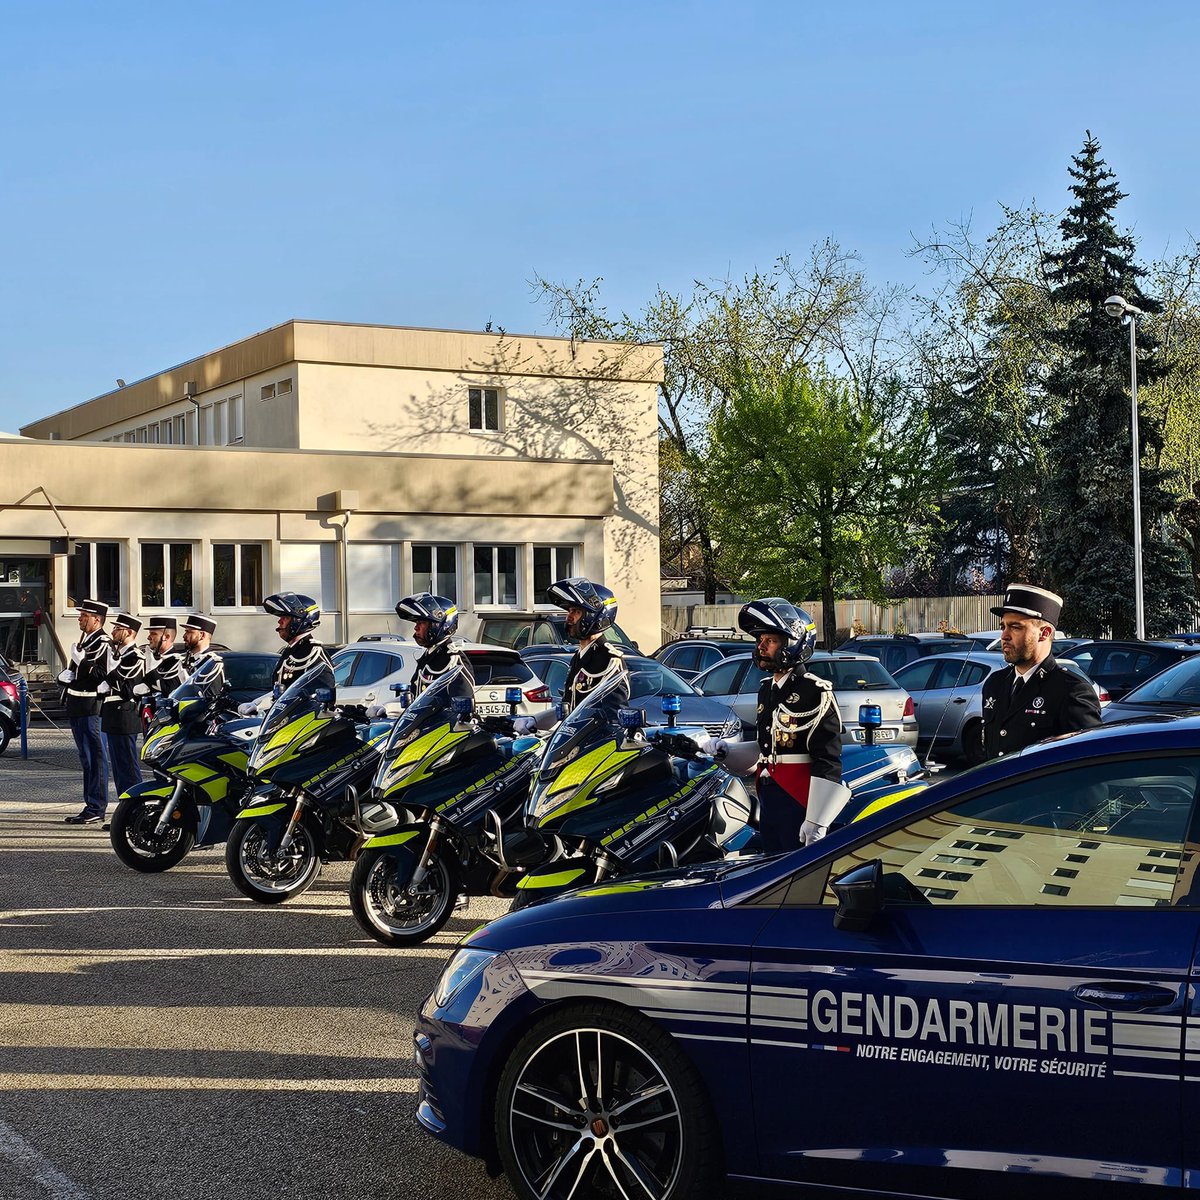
<point x="1119" y="307"/>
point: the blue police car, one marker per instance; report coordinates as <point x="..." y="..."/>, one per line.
<point x="996" y="977"/>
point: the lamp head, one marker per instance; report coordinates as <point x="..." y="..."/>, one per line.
<point x="1118" y="306"/>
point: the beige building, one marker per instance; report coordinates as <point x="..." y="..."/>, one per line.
<point x="354" y="463"/>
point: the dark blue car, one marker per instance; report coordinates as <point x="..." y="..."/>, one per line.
<point x="993" y="978"/>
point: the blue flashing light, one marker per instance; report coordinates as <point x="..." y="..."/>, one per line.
<point x="870" y="716"/>
<point x="512" y="695"/>
<point x="631" y="718"/>
<point x="461" y="706"/>
<point x="671" y="704"/>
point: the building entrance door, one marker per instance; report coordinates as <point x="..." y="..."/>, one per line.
<point x="25" y="599"/>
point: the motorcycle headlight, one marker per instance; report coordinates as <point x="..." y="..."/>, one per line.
<point x="463" y="966"/>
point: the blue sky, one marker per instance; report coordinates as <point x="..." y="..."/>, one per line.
<point x="176" y="178"/>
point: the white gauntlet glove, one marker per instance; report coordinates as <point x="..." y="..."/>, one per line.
<point x="66" y="677"/>
<point x="523" y="725"/>
<point x="713" y="747"/>
<point x="102" y="688"/>
<point x="248" y="709"/>
<point x="376" y="712"/>
<point x="140" y="689"/>
<point x="811" y="832"/>
<point x="76" y="654"/>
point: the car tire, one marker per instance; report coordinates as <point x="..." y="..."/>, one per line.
<point x="971" y="740"/>
<point x="558" y="1136"/>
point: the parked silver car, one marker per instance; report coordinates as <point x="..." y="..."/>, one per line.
<point x="948" y="692"/>
<point x="857" y="679"/>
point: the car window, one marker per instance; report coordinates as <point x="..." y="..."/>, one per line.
<point x="523" y="636"/>
<point x="749" y="679"/>
<point x="650" y="678"/>
<point x="343" y="665"/>
<point x="852" y="674"/>
<point x="498" y="668"/>
<point x="915" y="678"/>
<point x="257" y="672"/>
<point x="553" y="672"/>
<point x="958" y="673"/>
<point x="1108" y="834"/>
<point x="501" y="631"/>
<point x="1179" y="684"/>
<point x="1121" y="660"/>
<point x="372" y="667"/>
<point x="722" y="679"/>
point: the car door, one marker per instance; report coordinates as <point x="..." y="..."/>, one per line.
<point x="721" y="684"/>
<point x="961" y="681"/>
<point x="1021" y="994"/>
<point x="916" y="679"/>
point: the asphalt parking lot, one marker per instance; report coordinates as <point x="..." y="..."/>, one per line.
<point x="160" y="1035"/>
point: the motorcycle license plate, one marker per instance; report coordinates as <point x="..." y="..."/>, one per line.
<point x="492" y="710"/>
<point x="881" y="735"/>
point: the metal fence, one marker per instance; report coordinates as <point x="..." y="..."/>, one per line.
<point x="920" y="614"/>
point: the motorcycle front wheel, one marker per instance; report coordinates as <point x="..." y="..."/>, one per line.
<point x="135" y="843"/>
<point x="260" y="869"/>
<point x="389" y="907"/>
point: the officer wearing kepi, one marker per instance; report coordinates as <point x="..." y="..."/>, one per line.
<point x="82" y="681"/>
<point x="1035" y="697"/>
<point x="120" y="712"/>
<point x="197" y="639"/>
<point x="164" y="659"/>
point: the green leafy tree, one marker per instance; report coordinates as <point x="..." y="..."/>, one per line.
<point x="1087" y="533"/>
<point x="819" y="309"/>
<point x="817" y="488"/>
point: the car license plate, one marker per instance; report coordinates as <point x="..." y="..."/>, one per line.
<point x="492" y="710"/>
<point x="881" y="735"/>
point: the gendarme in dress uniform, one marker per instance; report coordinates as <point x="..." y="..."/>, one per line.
<point x="1049" y="699"/>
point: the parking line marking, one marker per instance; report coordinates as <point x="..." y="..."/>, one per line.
<point x="176" y="1083"/>
<point x="47" y="1176"/>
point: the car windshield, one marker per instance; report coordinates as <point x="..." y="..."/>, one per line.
<point x="648" y="678"/>
<point x="1177" y="685"/>
<point x="435" y="705"/>
<point x="852" y="675"/>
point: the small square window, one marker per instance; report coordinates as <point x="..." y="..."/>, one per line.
<point x="267" y="391"/>
<point x="283" y="386"/>
<point x="483" y="405"/>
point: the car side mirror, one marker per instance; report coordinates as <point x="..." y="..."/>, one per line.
<point x="860" y="896"/>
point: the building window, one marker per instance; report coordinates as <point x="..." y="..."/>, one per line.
<point x="167" y="575"/>
<point x="373" y="573"/>
<point x="237" y="574"/>
<point x="236" y="411"/>
<point x="284" y="386"/>
<point x="181" y="436"/>
<point x="130" y="436"/>
<point x="496" y="575"/>
<point x="267" y="391"/>
<point x="310" y="568"/>
<point x="551" y="563"/>
<point x="484" y="409"/>
<point x="204" y="435"/>
<point x="220" y="424"/>
<point x="96" y="573"/>
<point x="435" y="569"/>
<point x="139" y="435"/>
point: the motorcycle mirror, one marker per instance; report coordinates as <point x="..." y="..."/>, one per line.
<point x="276" y="692"/>
<point x="461" y="706"/>
<point x="631" y="718"/>
<point x="324" y="697"/>
<point x="403" y="694"/>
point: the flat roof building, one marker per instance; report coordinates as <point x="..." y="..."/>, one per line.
<point x="354" y="463"/>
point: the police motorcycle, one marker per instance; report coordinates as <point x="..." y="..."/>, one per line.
<point x="197" y="748"/>
<point x="451" y="774"/>
<point x="610" y="799"/>
<point x="307" y="767"/>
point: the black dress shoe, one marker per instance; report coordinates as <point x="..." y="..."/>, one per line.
<point x="84" y="818"/>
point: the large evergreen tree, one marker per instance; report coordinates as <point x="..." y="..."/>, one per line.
<point x="1087" y="535"/>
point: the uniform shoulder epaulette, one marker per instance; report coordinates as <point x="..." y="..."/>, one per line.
<point x="820" y="682"/>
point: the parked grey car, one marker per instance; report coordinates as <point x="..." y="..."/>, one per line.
<point x="948" y="692"/>
<point x="857" y="679"/>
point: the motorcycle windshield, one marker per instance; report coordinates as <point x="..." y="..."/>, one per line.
<point x="193" y="696"/>
<point x="426" y="731"/>
<point x="295" y="716"/>
<point x="586" y="754"/>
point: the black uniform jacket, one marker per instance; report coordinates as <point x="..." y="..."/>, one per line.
<point x="435" y="662"/>
<point x="298" y="657"/>
<point x="588" y="668"/>
<point x="799" y="717"/>
<point x="164" y="672"/>
<point x="89" y="661"/>
<point x="121" y="712"/>
<point x="1051" y="700"/>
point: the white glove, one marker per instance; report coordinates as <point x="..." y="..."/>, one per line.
<point x="713" y="747"/>
<point x="76" y="654"/>
<point x="376" y="712"/>
<point x="140" y="689"/>
<point x="811" y="832"/>
<point x="66" y="677"/>
<point x="248" y="709"/>
<point x="524" y="725"/>
<point x="102" y="688"/>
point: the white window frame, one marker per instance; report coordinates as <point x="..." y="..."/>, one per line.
<point x="168" y="598"/>
<point x="122" y="573"/>
<point x="484" y="394"/>
<point x="493" y="604"/>
<point x="284" y="387"/>
<point x="386" y="554"/>
<point x="435" y="549"/>
<point x="238" y="547"/>
<point x="576" y="551"/>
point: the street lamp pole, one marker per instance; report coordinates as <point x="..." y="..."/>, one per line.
<point x="1119" y="307"/>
